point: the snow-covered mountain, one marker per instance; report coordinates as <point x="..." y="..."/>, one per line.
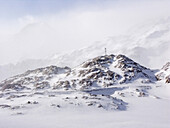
<point x="33" y="79"/>
<point x="104" y="84"/>
<point x="143" y="43"/>
<point x="99" y="72"/>
<point x="106" y="71"/>
<point x="89" y="84"/>
<point x="164" y="73"/>
<point x="9" y="70"/>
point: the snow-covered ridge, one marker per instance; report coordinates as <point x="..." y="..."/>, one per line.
<point x="101" y="82"/>
<point x="105" y="71"/>
<point x="99" y="72"/>
<point x="145" y="45"/>
<point x="33" y="79"/>
<point x="164" y="73"/>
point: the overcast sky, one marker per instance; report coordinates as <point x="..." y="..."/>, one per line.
<point x="40" y="28"/>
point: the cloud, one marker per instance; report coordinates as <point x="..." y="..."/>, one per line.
<point x="28" y="19"/>
<point x="37" y="36"/>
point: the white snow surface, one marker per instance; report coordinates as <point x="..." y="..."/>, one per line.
<point x="130" y="105"/>
<point x="164" y="73"/>
<point x="142" y="112"/>
<point x="29" y="99"/>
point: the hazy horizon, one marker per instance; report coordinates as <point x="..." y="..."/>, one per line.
<point x="39" y="28"/>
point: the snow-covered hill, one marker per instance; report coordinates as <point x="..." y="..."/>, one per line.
<point x="33" y="79"/>
<point x="98" y="88"/>
<point x="143" y="43"/>
<point x="99" y="72"/>
<point x="39" y="82"/>
<point x="90" y="84"/>
<point x="164" y="73"/>
<point x="106" y="71"/>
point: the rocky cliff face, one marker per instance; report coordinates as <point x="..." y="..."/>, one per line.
<point x="164" y="73"/>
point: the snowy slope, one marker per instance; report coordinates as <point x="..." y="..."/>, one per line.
<point x="105" y="71"/>
<point x="146" y="44"/>
<point x="37" y="96"/>
<point x="99" y="72"/>
<point x="33" y="79"/>
<point x="90" y="84"/>
<point x="164" y="73"/>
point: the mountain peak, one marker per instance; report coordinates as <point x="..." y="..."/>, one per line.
<point x="99" y="72"/>
<point x="164" y="73"/>
<point x="105" y="71"/>
<point x="166" y="66"/>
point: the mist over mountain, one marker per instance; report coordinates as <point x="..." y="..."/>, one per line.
<point x="147" y="44"/>
<point x="84" y="63"/>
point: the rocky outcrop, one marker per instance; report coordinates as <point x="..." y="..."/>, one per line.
<point x="164" y="73"/>
<point x="33" y="79"/>
<point x="105" y="71"/>
<point x="99" y="72"/>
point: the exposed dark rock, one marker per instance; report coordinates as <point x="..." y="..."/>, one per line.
<point x="97" y="71"/>
<point x="168" y="79"/>
<point x="164" y="73"/>
<point x="39" y="78"/>
<point x="5" y="106"/>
